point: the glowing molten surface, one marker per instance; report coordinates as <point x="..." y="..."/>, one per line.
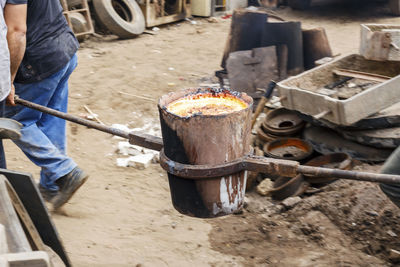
<point x="206" y="104"/>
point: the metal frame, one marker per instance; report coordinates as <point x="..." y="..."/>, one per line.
<point x="149" y="9"/>
<point x="84" y="11"/>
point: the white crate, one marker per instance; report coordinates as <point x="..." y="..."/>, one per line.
<point x="380" y="41"/>
<point x="301" y="92"/>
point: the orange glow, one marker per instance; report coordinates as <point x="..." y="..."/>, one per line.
<point x="206" y="104"/>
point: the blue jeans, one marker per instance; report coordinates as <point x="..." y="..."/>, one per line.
<point x="43" y="137"/>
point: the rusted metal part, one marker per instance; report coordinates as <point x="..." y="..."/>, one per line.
<point x="135" y="138"/>
<point x="249" y="163"/>
<point x="201" y="172"/>
<point x="288" y="148"/>
<point x="265" y="137"/>
<point x="286" y="168"/>
<point x="146" y="140"/>
<point x="271" y="166"/>
<point x="350" y="175"/>
<point x="202" y="140"/>
<point x="285" y="187"/>
<point x="340" y="161"/>
<point x="282" y="122"/>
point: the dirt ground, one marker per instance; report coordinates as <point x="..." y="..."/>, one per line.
<point x="124" y="216"/>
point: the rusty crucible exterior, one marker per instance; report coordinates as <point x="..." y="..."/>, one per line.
<point x="202" y="139"/>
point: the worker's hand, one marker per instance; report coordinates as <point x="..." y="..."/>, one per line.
<point x="10" y="97"/>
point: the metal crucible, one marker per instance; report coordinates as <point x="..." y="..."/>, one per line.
<point x="201" y="138"/>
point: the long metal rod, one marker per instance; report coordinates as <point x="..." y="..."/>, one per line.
<point x="287" y="168"/>
<point x="349" y="175"/>
<point x="72" y="118"/>
<point x="144" y="140"/>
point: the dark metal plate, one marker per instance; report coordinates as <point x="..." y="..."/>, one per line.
<point x="380" y="138"/>
<point x="27" y="191"/>
<point x="327" y="141"/>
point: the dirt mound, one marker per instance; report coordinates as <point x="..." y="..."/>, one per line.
<point x="347" y="224"/>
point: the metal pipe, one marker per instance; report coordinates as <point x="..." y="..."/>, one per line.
<point x="136" y="138"/>
<point x="72" y="118"/>
<point x="349" y="175"/>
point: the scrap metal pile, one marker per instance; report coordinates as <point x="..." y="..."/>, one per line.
<point x="124" y="18"/>
<point x="327" y="116"/>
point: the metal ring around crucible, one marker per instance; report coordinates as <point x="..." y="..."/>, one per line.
<point x="195" y="172"/>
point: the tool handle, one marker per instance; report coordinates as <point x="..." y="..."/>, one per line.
<point x="270" y="89"/>
<point x="263" y="100"/>
<point x="146" y="140"/>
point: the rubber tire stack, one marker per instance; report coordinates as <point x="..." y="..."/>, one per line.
<point x="110" y="19"/>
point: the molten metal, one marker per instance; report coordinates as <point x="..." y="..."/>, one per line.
<point x="206" y="104"/>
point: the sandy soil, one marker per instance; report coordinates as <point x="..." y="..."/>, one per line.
<point x="124" y="216"/>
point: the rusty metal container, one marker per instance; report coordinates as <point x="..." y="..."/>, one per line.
<point x="206" y="139"/>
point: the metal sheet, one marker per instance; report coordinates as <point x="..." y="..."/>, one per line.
<point x="327" y="141"/>
<point x="380" y="138"/>
<point x="27" y="191"/>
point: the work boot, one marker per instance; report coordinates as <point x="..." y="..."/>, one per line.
<point x="68" y="185"/>
<point x="48" y="195"/>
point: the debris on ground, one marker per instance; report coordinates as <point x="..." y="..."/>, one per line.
<point x="139" y="157"/>
<point x="290" y="202"/>
<point x="265" y="187"/>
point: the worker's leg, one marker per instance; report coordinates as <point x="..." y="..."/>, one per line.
<point x="54" y="127"/>
<point x="392" y="166"/>
<point x="34" y="142"/>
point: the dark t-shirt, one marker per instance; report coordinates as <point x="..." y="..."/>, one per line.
<point x="50" y="43"/>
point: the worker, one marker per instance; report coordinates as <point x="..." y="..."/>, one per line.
<point x="5" y="76"/>
<point x="392" y="166"/>
<point x="48" y="53"/>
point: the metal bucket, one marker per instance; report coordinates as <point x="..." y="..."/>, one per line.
<point x="206" y="139"/>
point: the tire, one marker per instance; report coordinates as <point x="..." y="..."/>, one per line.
<point x="300" y="4"/>
<point x="394" y="6"/>
<point x="79" y="23"/>
<point x="122" y="17"/>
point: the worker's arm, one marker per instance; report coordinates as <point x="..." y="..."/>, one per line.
<point x="15" y="18"/>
